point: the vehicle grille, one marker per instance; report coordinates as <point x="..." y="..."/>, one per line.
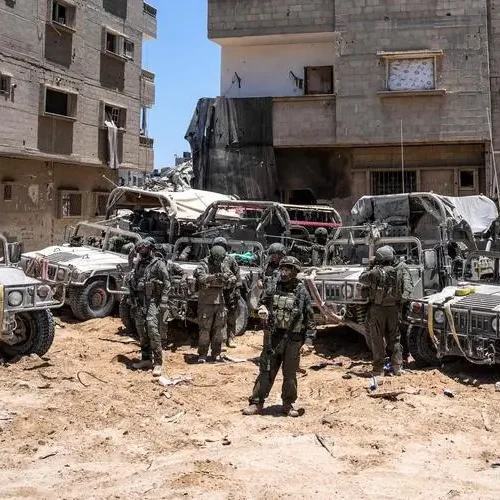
<point x="62" y="257"/>
<point x="482" y="300"/>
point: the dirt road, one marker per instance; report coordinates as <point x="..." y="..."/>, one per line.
<point x="83" y="425"/>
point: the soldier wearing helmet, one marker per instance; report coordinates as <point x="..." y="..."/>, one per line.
<point x="149" y="287"/>
<point x="286" y="306"/>
<point x="231" y="295"/>
<point x="314" y="255"/>
<point x="212" y="276"/>
<point x="384" y="285"/>
<point x="275" y="253"/>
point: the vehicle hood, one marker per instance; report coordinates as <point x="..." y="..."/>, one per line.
<point x="482" y="296"/>
<point x="81" y="258"/>
<point x="12" y="276"/>
<point x="350" y="273"/>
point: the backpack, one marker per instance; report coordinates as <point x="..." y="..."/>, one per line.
<point x="386" y="288"/>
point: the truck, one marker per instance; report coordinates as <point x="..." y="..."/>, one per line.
<point x="26" y="323"/>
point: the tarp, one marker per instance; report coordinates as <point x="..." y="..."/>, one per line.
<point x="478" y="211"/>
<point x="232" y="147"/>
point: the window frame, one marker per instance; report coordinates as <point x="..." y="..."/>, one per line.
<point x="123" y="111"/>
<point x="388" y="57"/>
<point x="474" y="179"/>
<point x="70" y="192"/>
<point x="306" y="89"/>
<point x="7" y="78"/>
<point x="396" y="172"/>
<point x="70" y="23"/>
<point x="72" y="103"/>
<point x="6" y="185"/>
<point x="121" y="42"/>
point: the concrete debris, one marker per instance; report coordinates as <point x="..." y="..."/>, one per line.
<point x="450" y="393"/>
<point x="497" y="386"/>
<point x="182" y="379"/>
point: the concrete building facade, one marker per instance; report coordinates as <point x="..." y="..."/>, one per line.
<point x="73" y="110"/>
<point x="353" y="81"/>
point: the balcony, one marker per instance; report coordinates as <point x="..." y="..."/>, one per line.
<point x="146" y="153"/>
<point x="149" y="22"/>
<point x="147" y="89"/>
<point x="304" y="121"/>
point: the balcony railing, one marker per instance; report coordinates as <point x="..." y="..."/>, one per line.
<point x="146" y="142"/>
<point x="149" y="9"/>
<point x="147" y="75"/>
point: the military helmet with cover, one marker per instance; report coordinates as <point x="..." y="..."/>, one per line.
<point x="321" y="231"/>
<point x="276" y="249"/>
<point x="220" y="241"/>
<point x="292" y="262"/>
<point x="217" y="253"/>
<point x="384" y="254"/>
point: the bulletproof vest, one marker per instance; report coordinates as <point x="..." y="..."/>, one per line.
<point x="286" y="312"/>
<point x="385" y="289"/>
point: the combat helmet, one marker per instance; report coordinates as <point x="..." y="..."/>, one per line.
<point x="149" y="242"/>
<point x="217" y="253"/>
<point x="291" y="262"/>
<point x="220" y="241"/>
<point x="321" y="231"/>
<point x="384" y="254"/>
<point x="276" y="248"/>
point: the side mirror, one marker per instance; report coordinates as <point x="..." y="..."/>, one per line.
<point x="15" y="251"/>
<point x="430" y="260"/>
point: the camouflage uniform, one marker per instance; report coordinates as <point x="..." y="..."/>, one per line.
<point x="315" y="254"/>
<point x="383" y="316"/>
<point x="290" y="324"/>
<point x="149" y="287"/>
<point x="405" y="289"/>
<point x="212" y="277"/>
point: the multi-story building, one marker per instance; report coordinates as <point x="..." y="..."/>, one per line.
<point x="73" y="110"/>
<point x="369" y="96"/>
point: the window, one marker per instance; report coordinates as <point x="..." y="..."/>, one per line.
<point x="467" y="179"/>
<point x="118" y="45"/>
<point x="71" y="204"/>
<point x="391" y="182"/>
<point x="115" y="115"/>
<point x="61" y="103"/>
<point x="319" y="80"/>
<point x="7" y="192"/>
<point x="101" y="201"/>
<point x="4" y="84"/>
<point x="63" y="13"/>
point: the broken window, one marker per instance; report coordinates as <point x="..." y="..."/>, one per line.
<point x="60" y="103"/>
<point x="391" y="182"/>
<point x="4" y="84"/>
<point x="63" y="13"/>
<point x="117" y="44"/>
<point x="318" y="80"/>
<point x="71" y="204"/>
<point x="7" y="192"/>
<point x="116" y="115"/>
<point x="467" y="179"/>
<point x="411" y="74"/>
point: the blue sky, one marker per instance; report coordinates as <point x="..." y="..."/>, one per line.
<point x="187" y="67"/>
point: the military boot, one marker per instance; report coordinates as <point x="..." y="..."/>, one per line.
<point x="231" y="343"/>
<point x="288" y="410"/>
<point x="254" y="409"/>
<point x="157" y="370"/>
<point x="145" y="364"/>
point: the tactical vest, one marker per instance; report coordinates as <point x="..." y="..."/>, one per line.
<point x="286" y="312"/>
<point x="384" y="291"/>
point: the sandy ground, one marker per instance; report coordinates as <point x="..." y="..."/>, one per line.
<point x="81" y="424"/>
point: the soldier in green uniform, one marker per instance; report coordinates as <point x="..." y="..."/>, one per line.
<point x="383" y="284"/>
<point x="313" y="255"/>
<point x="213" y="276"/>
<point x="403" y="296"/>
<point x="291" y="331"/>
<point x="231" y="295"/>
<point x="275" y="253"/>
<point x="149" y="288"/>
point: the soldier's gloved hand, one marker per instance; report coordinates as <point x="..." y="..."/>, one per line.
<point x="260" y="284"/>
<point x="263" y="312"/>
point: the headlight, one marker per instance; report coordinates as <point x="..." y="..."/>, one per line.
<point x="439" y="316"/>
<point x="43" y="291"/>
<point x="494" y="324"/>
<point x="348" y="291"/>
<point x="60" y="274"/>
<point x="15" y="298"/>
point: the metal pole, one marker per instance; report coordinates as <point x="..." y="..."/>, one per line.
<point x="492" y="150"/>
<point x="402" y="160"/>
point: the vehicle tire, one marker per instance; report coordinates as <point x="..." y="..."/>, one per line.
<point x="241" y="317"/>
<point x="421" y="348"/>
<point x="92" y="301"/>
<point x="124" y="310"/>
<point x="35" y="330"/>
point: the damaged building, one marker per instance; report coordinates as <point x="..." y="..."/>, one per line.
<point x="329" y="100"/>
<point x="73" y="111"/>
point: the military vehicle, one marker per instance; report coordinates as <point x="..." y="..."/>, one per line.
<point x="429" y="232"/>
<point x="26" y="323"/>
<point x="93" y="251"/>
<point x="461" y="320"/>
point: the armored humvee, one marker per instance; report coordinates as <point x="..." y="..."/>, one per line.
<point x="26" y="323"/>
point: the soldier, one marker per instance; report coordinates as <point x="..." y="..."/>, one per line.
<point x="149" y="287"/>
<point x="275" y="254"/>
<point x="403" y="295"/>
<point x="212" y="276"/>
<point x="231" y="295"/>
<point x="381" y="278"/>
<point x="291" y="330"/>
<point x="314" y="255"/>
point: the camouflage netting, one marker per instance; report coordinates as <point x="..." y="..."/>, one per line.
<point x="232" y="146"/>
